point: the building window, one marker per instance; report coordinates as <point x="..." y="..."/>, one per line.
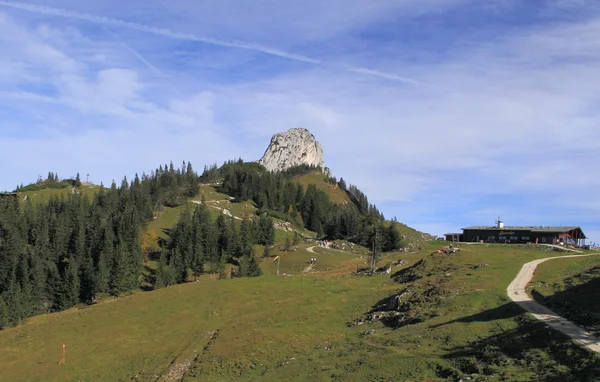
<point x="525" y="238"/>
<point x="514" y="238"/>
<point x="492" y="238"/>
<point x="501" y="237"/>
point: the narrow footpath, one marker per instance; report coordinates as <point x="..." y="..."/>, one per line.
<point x="516" y="292"/>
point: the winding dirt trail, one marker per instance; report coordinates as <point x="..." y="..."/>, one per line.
<point x="516" y="292"/>
<point x="308" y="269"/>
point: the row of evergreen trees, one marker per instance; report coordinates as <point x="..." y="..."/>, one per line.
<point x="197" y="244"/>
<point x="52" y="181"/>
<point x="310" y="208"/>
<point x="55" y="255"/>
<point x="72" y="249"/>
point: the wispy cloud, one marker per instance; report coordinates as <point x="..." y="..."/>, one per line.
<point x="203" y="39"/>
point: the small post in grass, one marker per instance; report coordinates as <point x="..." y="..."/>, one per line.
<point x="62" y="361"/>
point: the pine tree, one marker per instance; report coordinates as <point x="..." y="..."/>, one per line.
<point x="265" y="230"/>
<point x="246" y="236"/>
<point x="14" y="301"/>
<point x="244" y="266"/>
<point x="177" y="263"/>
<point x="222" y="266"/>
<point x="103" y="260"/>
<point x="267" y="251"/>
<point x="297" y="238"/>
<point x="165" y="276"/>
<point x="87" y="280"/>
<point x="118" y="276"/>
<point x="25" y="296"/>
<point x="71" y="284"/>
<point x="4" y="323"/>
<point x="197" y="264"/>
<point x="393" y="239"/>
<point x="288" y="245"/>
<point x="40" y="300"/>
<point x="253" y="266"/>
<point x="54" y="287"/>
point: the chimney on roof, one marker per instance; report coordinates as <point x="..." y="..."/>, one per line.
<point x="499" y="223"/>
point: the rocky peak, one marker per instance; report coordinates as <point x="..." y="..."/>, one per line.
<point x="294" y="147"/>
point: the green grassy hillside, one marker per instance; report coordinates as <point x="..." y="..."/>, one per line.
<point x="336" y="194"/>
<point x="570" y="287"/>
<point x="217" y="202"/>
<point x="411" y="238"/>
<point x="167" y="217"/>
<point x="309" y="324"/>
<point x="41" y="196"/>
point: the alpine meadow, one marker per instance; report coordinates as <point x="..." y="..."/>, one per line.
<point x="383" y="191"/>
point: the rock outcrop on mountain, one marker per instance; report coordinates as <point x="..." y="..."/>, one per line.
<point x="294" y="147"/>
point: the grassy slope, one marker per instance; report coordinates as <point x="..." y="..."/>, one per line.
<point x="336" y="194"/>
<point x="571" y="287"/>
<point x="411" y="237"/>
<point x="294" y="328"/>
<point x="41" y="196"/>
<point x="168" y="216"/>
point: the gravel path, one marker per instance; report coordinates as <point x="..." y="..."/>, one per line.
<point x="516" y="292"/>
<point x="177" y="371"/>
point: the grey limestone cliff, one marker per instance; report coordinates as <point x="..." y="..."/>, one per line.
<point x="294" y="147"/>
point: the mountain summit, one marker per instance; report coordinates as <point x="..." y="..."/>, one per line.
<point x="294" y="147"/>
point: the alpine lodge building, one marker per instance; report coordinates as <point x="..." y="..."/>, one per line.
<point x="567" y="235"/>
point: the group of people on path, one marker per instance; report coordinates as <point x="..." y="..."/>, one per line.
<point x="322" y="243"/>
<point x="325" y="244"/>
<point x="313" y="260"/>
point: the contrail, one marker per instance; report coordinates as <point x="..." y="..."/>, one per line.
<point x="154" y="30"/>
<point x="40" y="9"/>
<point x="136" y="54"/>
<point x="389" y="76"/>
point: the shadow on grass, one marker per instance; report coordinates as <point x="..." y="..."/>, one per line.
<point x="578" y="303"/>
<point x="547" y="353"/>
<point x="509" y="310"/>
<point x="166" y="231"/>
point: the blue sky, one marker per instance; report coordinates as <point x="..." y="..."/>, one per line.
<point x="446" y="113"/>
